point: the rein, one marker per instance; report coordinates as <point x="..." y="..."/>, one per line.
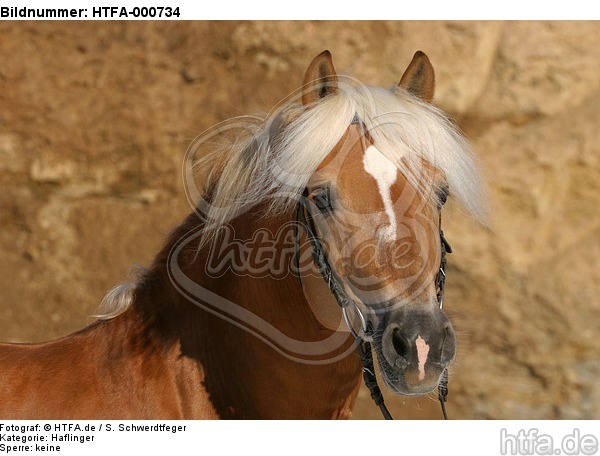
<point x="304" y="218"/>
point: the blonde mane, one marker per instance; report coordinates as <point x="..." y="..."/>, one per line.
<point x="270" y="160"/>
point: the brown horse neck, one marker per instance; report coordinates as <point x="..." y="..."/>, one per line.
<point x="245" y="376"/>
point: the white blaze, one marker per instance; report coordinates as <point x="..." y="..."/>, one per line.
<point x="384" y="172"/>
<point x="422" y="352"/>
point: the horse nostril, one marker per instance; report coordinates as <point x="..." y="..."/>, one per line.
<point x="400" y="344"/>
<point x="448" y="344"/>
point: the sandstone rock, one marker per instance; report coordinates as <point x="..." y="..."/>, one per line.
<point x="10" y="161"/>
<point x="541" y="68"/>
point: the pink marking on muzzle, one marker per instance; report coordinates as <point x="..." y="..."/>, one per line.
<point x="422" y="352"/>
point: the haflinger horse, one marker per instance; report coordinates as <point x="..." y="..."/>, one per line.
<point x="355" y="177"/>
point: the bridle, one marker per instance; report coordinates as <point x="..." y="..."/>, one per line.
<point x="304" y="217"/>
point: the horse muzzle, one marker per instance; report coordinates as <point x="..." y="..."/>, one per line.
<point x="414" y="346"/>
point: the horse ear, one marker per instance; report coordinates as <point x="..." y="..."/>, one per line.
<point x="320" y="79"/>
<point x="419" y="78"/>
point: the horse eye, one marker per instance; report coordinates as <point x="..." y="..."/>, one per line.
<point x="443" y="194"/>
<point x="322" y="199"/>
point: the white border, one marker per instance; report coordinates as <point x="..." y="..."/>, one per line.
<point x="348" y="10"/>
<point x="302" y="438"/>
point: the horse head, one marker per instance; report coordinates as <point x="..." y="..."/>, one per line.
<point x="375" y="203"/>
